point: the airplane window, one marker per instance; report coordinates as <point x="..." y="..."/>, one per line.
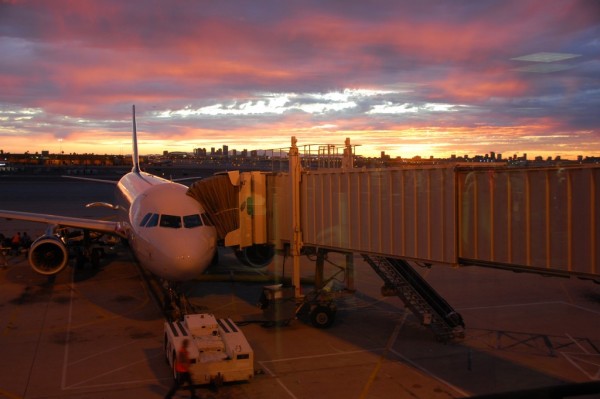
<point x="206" y="220"/>
<point x="171" y="221"/>
<point x="192" y="221"/>
<point x="153" y="222"/>
<point x="145" y="219"/>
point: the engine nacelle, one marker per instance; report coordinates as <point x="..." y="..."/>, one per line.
<point x="48" y="255"/>
<point x="257" y="255"/>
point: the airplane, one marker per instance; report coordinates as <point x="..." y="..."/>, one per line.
<point x="168" y="231"/>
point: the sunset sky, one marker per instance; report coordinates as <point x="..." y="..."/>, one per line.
<point x="405" y="77"/>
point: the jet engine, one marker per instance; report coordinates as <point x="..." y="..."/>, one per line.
<point x="48" y="255"/>
<point x="256" y="256"/>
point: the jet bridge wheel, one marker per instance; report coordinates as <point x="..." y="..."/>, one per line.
<point x="322" y="316"/>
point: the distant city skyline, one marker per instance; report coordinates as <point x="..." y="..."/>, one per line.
<point x="408" y="78"/>
<point x="203" y="152"/>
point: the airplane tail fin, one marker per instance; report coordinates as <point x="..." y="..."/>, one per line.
<point x="135" y="157"/>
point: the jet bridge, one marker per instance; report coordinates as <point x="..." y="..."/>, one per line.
<point x="541" y="220"/>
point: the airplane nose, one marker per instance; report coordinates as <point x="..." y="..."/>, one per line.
<point x="190" y="259"/>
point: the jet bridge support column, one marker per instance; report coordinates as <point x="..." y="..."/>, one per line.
<point x="296" y="244"/>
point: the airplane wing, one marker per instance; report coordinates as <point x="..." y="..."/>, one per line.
<point x="103" y="226"/>
<point x="113" y="182"/>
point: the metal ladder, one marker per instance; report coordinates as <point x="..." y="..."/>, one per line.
<point x="430" y="308"/>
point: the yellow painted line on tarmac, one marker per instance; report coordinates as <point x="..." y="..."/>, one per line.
<point x="427" y="373"/>
<point x="9" y="395"/>
<point x="388" y="347"/>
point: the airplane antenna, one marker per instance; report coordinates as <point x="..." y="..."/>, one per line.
<point x="135" y="157"/>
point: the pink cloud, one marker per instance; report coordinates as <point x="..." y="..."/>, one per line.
<point x="91" y="61"/>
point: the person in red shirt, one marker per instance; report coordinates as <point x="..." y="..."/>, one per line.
<point x="15" y="243"/>
<point x="182" y="367"/>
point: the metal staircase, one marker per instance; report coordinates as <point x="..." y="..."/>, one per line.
<point x="430" y="308"/>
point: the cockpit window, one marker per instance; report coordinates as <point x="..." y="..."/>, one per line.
<point x="191" y="221"/>
<point x="171" y="221"/>
<point x="145" y="219"/>
<point x="153" y="222"/>
<point x="174" y="222"/>
<point x="206" y="220"/>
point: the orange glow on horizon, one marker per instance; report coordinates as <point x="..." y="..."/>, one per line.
<point x="405" y="143"/>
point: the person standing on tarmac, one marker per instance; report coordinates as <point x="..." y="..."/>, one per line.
<point x="26" y="242"/>
<point x="182" y="367"/>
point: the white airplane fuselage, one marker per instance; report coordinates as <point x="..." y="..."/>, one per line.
<point x="167" y="230"/>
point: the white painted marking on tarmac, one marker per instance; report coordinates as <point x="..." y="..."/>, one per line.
<point x="291" y="359"/>
<point x="578" y="344"/>
<point x="63" y="383"/>
<point x="517" y="305"/>
<point x="121" y="384"/>
<point x="391" y="341"/>
<point x="80" y="384"/>
<point x="575" y="360"/>
<point x="67" y="364"/>
<point x="100" y="353"/>
<point x="430" y="374"/>
<point x="399" y="355"/>
<point x="513" y="305"/>
<point x="37" y="346"/>
<point x="278" y="380"/>
<point x="570" y="358"/>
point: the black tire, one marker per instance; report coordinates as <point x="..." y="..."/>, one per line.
<point x="322" y="317"/>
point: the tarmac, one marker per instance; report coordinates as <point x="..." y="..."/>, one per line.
<point x="99" y="333"/>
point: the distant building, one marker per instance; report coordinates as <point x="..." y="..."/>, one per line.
<point x="200" y="152"/>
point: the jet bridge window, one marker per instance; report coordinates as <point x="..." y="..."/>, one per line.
<point x="191" y="221"/>
<point x="170" y="221"/>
